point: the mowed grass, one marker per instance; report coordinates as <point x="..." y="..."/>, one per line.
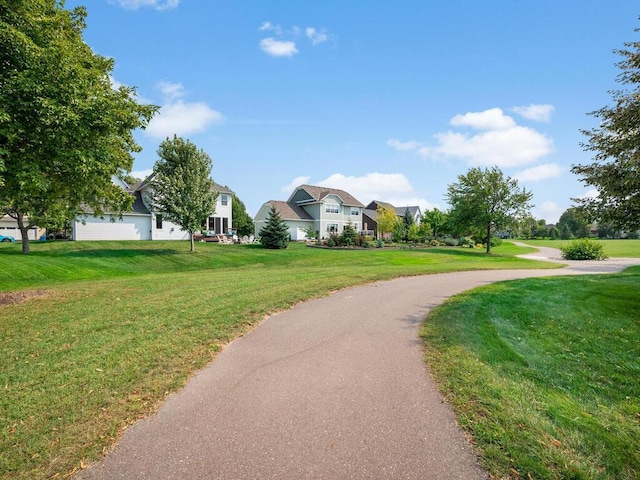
<point x="545" y="374"/>
<point x="613" y="248"/>
<point x="119" y="325"/>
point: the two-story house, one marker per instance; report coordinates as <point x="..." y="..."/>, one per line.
<point x="370" y="215"/>
<point x="326" y="210"/>
<point x="141" y="223"/>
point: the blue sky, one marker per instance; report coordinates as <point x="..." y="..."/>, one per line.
<point x="388" y="100"/>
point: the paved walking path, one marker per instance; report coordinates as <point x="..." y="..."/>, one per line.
<point x="335" y="388"/>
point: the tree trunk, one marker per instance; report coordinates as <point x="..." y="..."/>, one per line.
<point x="193" y="245"/>
<point x="489" y="238"/>
<point x="24" y="233"/>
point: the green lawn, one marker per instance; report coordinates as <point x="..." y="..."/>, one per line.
<point x="545" y="374"/>
<point x="118" y="325"/>
<point x="613" y="248"/>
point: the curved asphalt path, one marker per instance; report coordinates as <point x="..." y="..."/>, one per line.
<point x="335" y="388"/>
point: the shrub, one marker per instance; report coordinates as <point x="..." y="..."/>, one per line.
<point x="331" y="242"/>
<point x="583" y="249"/>
<point x="465" y="242"/>
<point x="451" y="242"/>
<point x="379" y="243"/>
<point x="496" y="241"/>
<point x="434" y="243"/>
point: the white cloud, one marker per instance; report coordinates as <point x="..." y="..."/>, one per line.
<point x="540" y="113"/>
<point x="315" y="36"/>
<point x="278" y="48"/>
<point x="403" y="146"/>
<point x="157" y="4"/>
<point x="296" y="182"/>
<point x="181" y="118"/>
<point x="270" y="27"/>
<point x="539" y="172"/>
<point x="171" y="90"/>
<point x="492" y="119"/>
<point x="593" y="193"/>
<point x="549" y="211"/>
<point x="501" y="141"/>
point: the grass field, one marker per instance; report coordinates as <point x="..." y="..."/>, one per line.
<point x="109" y="328"/>
<point x="613" y="248"/>
<point x="545" y="374"/>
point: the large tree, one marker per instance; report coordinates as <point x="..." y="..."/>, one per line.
<point x="615" y="143"/>
<point x="575" y="221"/>
<point x="436" y="219"/>
<point x="485" y="200"/>
<point x="181" y="186"/>
<point x="241" y="220"/>
<point x="65" y="131"/>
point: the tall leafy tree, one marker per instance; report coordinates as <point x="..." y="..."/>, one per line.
<point x="386" y="220"/>
<point x="615" y="143"/>
<point x="65" y="131"/>
<point x="436" y="219"/>
<point x="181" y="186"/>
<point x="575" y="221"/>
<point x="241" y="220"/>
<point x="484" y="199"/>
<point x="275" y="233"/>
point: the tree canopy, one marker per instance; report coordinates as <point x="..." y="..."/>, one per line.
<point x="615" y="143"/>
<point x="387" y="219"/>
<point x="65" y="131"/>
<point x="485" y="199"/>
<point x="181" y="186"/>
<point x="241" y="220"/>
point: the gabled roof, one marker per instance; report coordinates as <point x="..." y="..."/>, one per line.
<point x="215" y="187"/>
<point x="319" y="193"/>
<point x="289" y="211"/>
<point x="412" y="209"/>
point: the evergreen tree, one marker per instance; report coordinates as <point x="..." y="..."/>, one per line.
<point x="407" y="221"/>
<point x="275" y="234"/>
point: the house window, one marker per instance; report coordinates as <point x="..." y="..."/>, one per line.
<point x="224" y="200"/>
<point x="332" y="208"/>
<point x="212" y="225"/>
<point x="355" y="211"/>
<point x="158" y="222"/>
<point x="332" y="228"/>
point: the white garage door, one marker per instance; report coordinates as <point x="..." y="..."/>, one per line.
<point x="130" y="227"/>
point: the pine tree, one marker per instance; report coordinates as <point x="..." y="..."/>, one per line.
<point x="275" y="234"/>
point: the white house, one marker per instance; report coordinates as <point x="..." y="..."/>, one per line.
<point x="141" y="223"/>
<point x="326" y="210"/>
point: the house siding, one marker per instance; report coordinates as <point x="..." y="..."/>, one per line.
<point x="129" y="227"/>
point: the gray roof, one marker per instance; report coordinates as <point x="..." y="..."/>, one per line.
<point x="289" y="211"/>
<point x="319" y="193"/>
<point x="215" y="187"/>
<point x="412" y="209"/>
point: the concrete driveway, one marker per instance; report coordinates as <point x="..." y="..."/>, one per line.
<point x="335" y="388"/>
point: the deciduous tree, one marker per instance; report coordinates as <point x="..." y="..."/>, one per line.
<point x="485" y="199"/>
<point x="615" y="143"/>
<point x="181" y="186"/>
<point x="65" y="131"/>
<point x="241" y="220"/>
<point x="386" y="220"/>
